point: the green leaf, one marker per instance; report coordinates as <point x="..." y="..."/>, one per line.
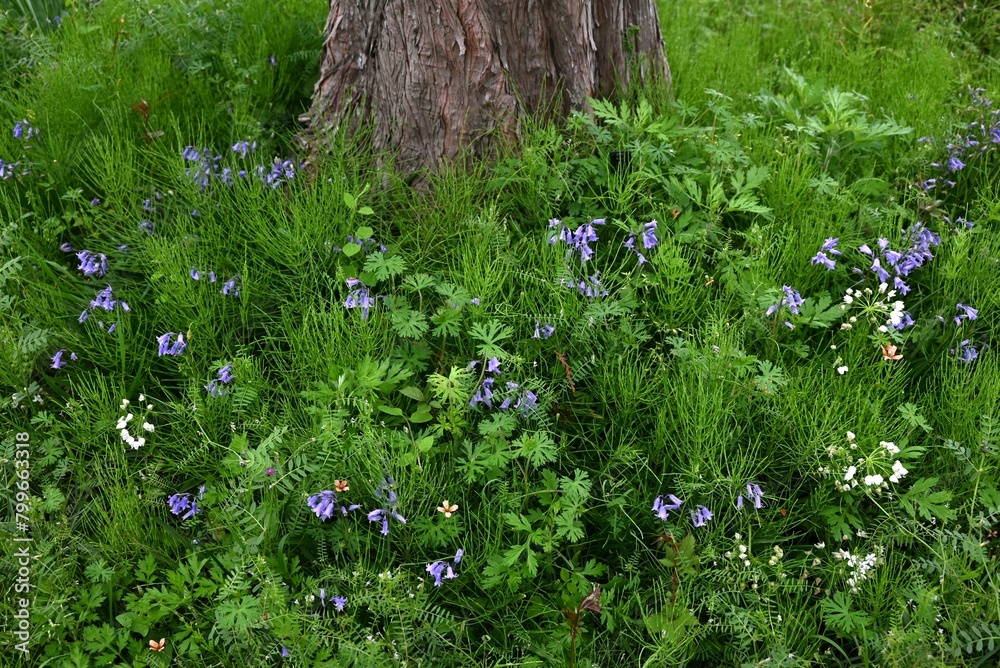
<point x="391" y="410"/>
<point x="366" y="211"/>
<point x="384" y="267"/>
<point x="364" y="232"/>
<point x="351" y="203"/>
<point x="412" y="392"/>
<point x="421" y="416"/>
<point x="351" y="249"/>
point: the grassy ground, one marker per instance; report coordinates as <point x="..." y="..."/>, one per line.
<point x="837" y="474"/>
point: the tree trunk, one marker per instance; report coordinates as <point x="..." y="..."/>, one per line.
<point x="437" y="76"/>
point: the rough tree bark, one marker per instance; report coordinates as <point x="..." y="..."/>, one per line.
<point x="436" y="76"/>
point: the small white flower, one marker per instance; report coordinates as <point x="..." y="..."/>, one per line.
<point x="850" y="472"/>
<point x="882" y="287"/>
<point x="848" y="299"/>
<point x="820" y="545"/>
<point x="147" y="426"/>
<point x="884" y="329"/>
<point x="890" y="446"/>
<point x="850" y="435"/>
<point x="873" y="480"/>
<point x="841" y="370"/>
<point x="846" y="326"/>
<point x="142" y="397"/>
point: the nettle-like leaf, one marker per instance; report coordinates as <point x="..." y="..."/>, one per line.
<point x="537" y="447"/>
<point x="384" y="267"/>
<point x="839" y="614"/>
<point x="489" y="335"/>
<point x="770" y="378"/>
<point x="913" y="418"/>
<point x="818" y="313"/>
<point x="408" y="323"/>
<point x="919" y="500"/>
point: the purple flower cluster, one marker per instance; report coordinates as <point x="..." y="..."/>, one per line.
<point x="244" y="148"/>
<point x="660" y="507"/>
<point x="442" y="569"/>
<point x="965" y="313"/>
<point x="966" y="351"/>
<point x="359" y="297"/>
<point x="23" y="130"/>
<point x="92" y="264"/>
<point x="920" y="240"/>
<point x="983" y="135"/>
<point x="196" y="275"/>
<point x="105" y="299"/>
<point x="791" y="299"/>
<point x="7" y="169"/>
<point x="179" y="503"/>
<point x="829" y="246"/>
<point x="168" y="348"/>
<point x="207" y="167"/>
<point x="226" y="376"/>
<point x="700" y="516"/>
<point x="57" y="360"/>
<point x="387" y="495"/>
<point x="590" y="287"/>
<point x="543" y="331"/>
<point x="338" y="601"/>
<point x="281" y="171"/>
<point x="755" y="494"/>
<point x="230" y="287"/>
<point x="579" y="239"/>
<point x="649" y="240"/>
<point x="325" y="504"/>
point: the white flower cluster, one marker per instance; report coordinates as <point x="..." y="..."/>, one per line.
<point x="741" y="551"/>
<point x="871" y="479"/>
<point x="860" y="567"/>
<point x="876" y="306"/>
<point x="123" y="422"/>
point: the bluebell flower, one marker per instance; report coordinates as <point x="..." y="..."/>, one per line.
<point x="493" y="366"/>
<point x="883" y="275"/>
<point x="755" y="494"/>
<point x="359" y="297"/>
<point x="387" y="495"/>
<point x="23" y="130"/>
<point x="244" y="147"/>
<point x="484" y="394"/>
<point x="965" y="313"/>
<point x="104" y="299"/>
<point x="211" y="276"/>
<point x="474" y="301"/>
<point x="83" y="316"/>
<point x="830" y="246"/>
<point x="57" y="360"/>
<point x="339" y="602"/>
<point x="543" y="331"/>
<point x="821" y="258"/>
<point x="183" y="502"/>
<point x="112" y="328"/>
<point x="442" y="569"/>
<point x="954" y="164"/>
<point x="95" y="202"/>
<point x="966" y="351"/>
<point x="65" y="248"/>
<point x="866" y="250"/>
<point x="661" y="508"/>
<point x="231" y="287"/>
<point x="195" y="274"/>
<point x="226" y="374"/>
<point x="323" y="504"/>
<point x="195" y="213"/>
<point x="649" y="235"/>
<point x="165" y="346"/>
<point x="700" y="516"/>
<point x="92" y="264"/>
<point x="792" y="299"/>
<point x="146" y="226"/>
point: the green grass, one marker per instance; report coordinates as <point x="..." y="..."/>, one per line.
<point x="790" y="123"/>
